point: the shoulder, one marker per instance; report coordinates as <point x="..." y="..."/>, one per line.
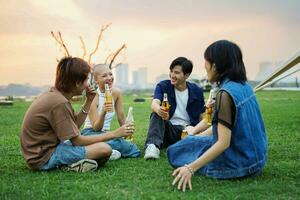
<point x="52" y="99"/>
<point x="223" y="94"/>
<point x="116" y="92"/>
<point x="235" y="88"/>
<point x="164" y="83"/>
<point x="194" y="87"/>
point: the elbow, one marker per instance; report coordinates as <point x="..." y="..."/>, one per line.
<point x="153" y="108"/>
<point x="76" y="141"/>
<point x="96" y="128"/>
<point x="224" y="145"/>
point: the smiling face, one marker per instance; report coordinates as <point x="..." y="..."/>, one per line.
<point x="177" y="76"/>
<point x="103" y="75"/>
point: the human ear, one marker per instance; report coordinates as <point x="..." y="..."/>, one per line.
<point x="187" y="75"/>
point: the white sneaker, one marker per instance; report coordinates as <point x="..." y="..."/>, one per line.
<point x="151" y="152"/>
<point x="115" y="155"/>
<point x="85" y="165"/>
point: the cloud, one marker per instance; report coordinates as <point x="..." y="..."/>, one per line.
<point x="155" y="31"/>
<point x="178" y="13"/>
<point x="34" y="17"/>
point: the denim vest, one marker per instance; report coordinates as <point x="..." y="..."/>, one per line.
<point x="247" y="153"/>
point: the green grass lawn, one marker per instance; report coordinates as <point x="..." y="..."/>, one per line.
<point x="140" y="179"/>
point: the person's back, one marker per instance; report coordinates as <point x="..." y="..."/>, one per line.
<point x="38" y="137"/>
<point x="248" y="147"/>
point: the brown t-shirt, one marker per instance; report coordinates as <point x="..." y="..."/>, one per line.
<point x="49" y="120"/>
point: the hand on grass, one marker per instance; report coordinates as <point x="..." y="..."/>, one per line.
<point x="183" y="178"/>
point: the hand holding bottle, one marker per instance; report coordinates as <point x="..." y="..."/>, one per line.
<point x="107" y="107"/>
<point x="108" y="99"/>
<point x="125" y="130"/>
<point x="129" y="119"/>
<point x="162" y="113"/>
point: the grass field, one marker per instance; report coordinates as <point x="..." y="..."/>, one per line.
<point x="140" y="179"/>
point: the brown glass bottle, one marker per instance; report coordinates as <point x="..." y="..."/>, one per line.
<point x="165" y="103"/>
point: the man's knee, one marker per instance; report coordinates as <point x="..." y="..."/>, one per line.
<point x="99" y="150"/>
<point x="105" y="149"/>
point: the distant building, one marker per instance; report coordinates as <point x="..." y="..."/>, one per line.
<point x="267" y="68"/>
<point x="122" y="75"/>
<point x="161" y="78"/>
<point x="139" y="78"/>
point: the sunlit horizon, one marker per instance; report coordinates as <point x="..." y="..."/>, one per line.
<point x="155" y="33"/>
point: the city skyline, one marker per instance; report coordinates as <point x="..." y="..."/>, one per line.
<point x="156" y="32"/>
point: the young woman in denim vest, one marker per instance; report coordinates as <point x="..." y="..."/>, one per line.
<point x="235" y="145"/>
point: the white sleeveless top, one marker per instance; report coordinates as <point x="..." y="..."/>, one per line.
<point x="108" y="116"/>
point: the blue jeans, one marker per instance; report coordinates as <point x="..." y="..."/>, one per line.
<point x="65" y="154"/>
<point x="188" y="150"/>
<point x="127" y="149"/>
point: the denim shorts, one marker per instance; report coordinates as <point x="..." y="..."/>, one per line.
<point x="65" y="154"/>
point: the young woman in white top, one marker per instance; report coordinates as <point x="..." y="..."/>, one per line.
<point x="101" y="113"/>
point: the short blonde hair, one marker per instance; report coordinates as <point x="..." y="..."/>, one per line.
<point x="97" y="68"/>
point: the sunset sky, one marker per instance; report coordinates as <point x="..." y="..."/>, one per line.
<point x="155" y="32"/>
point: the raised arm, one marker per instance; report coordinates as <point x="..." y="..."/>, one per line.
<point x="81" y="116"/>
<point x="97" y="119"/>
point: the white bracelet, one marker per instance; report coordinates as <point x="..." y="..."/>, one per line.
<point x="84" y="111"/>
<point x="190" y="169"/>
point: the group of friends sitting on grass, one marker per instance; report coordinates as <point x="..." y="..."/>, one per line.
<point x="233" y="145"/>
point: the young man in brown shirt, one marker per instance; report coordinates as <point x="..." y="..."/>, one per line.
<point x="51" y="120"/>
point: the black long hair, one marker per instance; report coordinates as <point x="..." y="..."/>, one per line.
<point x="228" y="60"/>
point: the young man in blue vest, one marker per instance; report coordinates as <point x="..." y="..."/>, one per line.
<point x="186" y="107"/>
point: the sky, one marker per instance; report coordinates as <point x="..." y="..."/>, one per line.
<point x="155" y="32"/>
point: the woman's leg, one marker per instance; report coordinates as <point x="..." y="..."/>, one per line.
<point x="187" y="150"/>
<point x="127" y="149"/>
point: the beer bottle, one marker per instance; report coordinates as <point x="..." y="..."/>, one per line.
<point x="184" y="132"/>
<point x="129" y="119"/>
<point x="208" y="108"/>
<point x="108" y="96"/>
<point x="165" y="103"/>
